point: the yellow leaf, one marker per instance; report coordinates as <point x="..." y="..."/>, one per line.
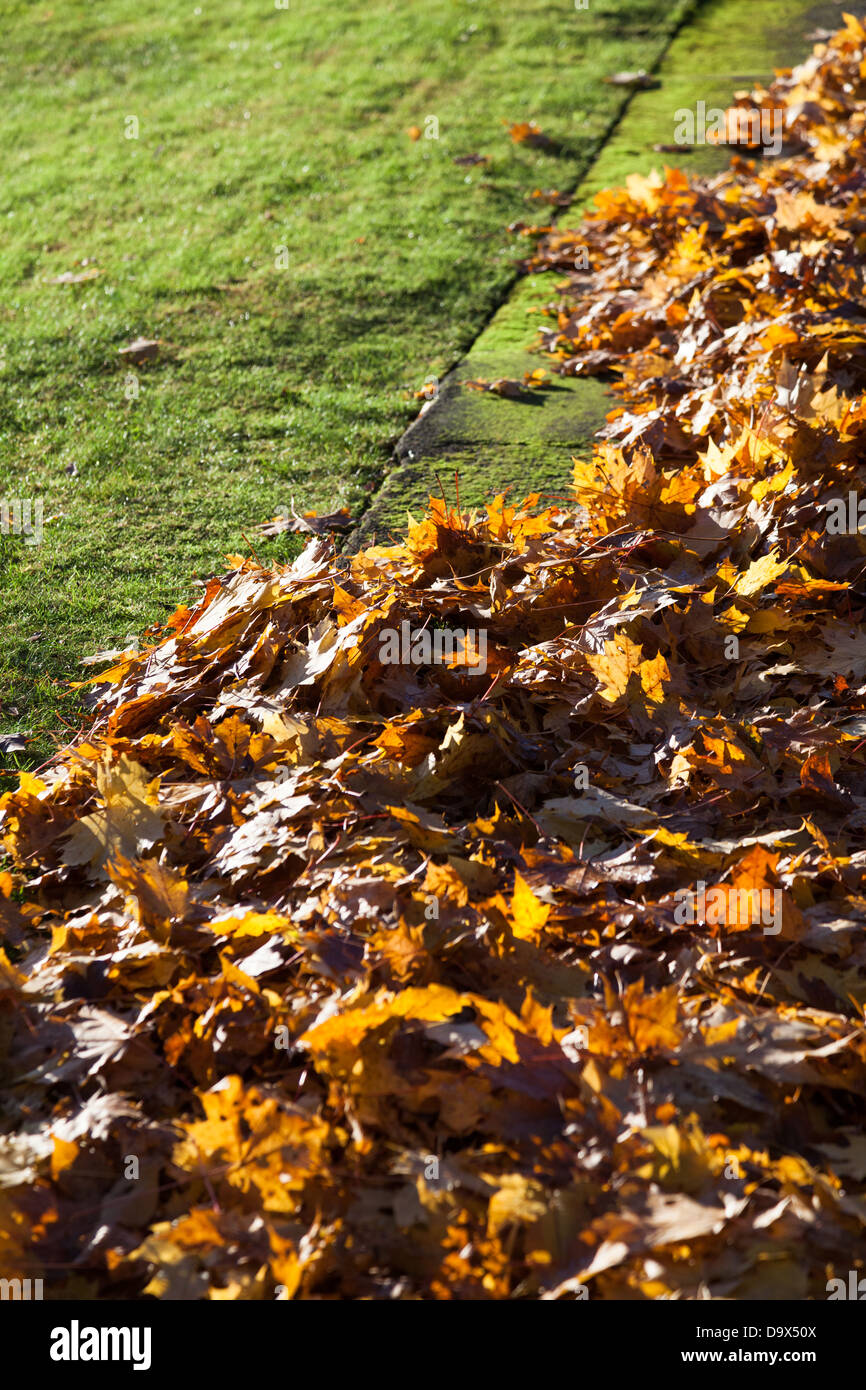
<point x="63" y="1157"/>
<point x="613" y="667"/>
<point x="528" y="914"/>
<point x="252" y="924"/>
<point x="128" y="822"/>
<point x="760" y="575"/>
<point x="652" y="675"/>
<point x="519" y="1202"/>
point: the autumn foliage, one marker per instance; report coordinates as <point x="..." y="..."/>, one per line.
<point x="378" y="971"/>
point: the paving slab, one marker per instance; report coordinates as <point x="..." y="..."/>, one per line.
<point x="493" y="442"/>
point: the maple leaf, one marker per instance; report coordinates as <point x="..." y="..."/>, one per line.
<point x="614" y="667"/>
<point x="128" y="822"/>
<point x="528" y="914"/>
<point x="529" y="133"/>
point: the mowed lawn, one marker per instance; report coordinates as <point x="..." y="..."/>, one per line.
<point x="301" y="259"/>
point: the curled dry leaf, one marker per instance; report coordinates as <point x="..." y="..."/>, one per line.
<point x="639" y="80"/>
<point x="535" y="380"/>
<point x="529" y="133"/>
<point x="140" y="350"/>
<point x="310" y="522"/>
<point x="75" y="277"/>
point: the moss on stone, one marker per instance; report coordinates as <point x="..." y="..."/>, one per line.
<point x="498" y="442"/>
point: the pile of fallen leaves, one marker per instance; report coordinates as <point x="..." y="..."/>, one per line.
<point x="334" y="979"/>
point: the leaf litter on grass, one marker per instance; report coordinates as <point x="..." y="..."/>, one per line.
<point x="336" y="978"/>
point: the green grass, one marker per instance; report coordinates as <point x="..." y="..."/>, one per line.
<point x="259" y="128"/>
